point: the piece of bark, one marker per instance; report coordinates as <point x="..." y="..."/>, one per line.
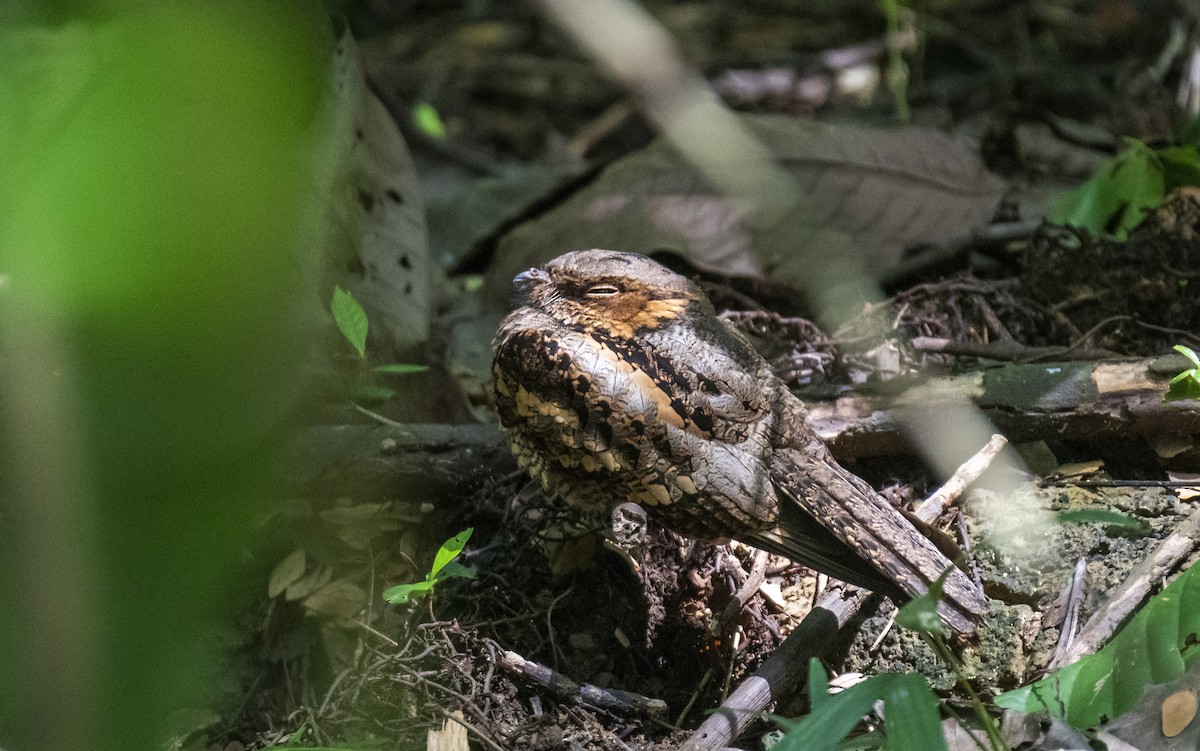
<point x="1086" y="401"/>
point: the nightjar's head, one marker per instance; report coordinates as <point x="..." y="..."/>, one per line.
<point x="621" y="293"/>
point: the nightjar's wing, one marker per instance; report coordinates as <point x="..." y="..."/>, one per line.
<point x="823" y="516"/>
<point x="886" y="545"/>
<point x="749" y="405"/>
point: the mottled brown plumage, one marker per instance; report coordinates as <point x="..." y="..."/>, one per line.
<point x="617" y="382"/>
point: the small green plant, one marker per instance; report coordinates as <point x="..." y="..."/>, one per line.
<point x="910" y="705"/>
<point x="1186" y="385"/>
<point x="920" y="615"/>
<point x="1135" y="181"/>
<point x="444" y="567"/>
<point x="352" y="321"/>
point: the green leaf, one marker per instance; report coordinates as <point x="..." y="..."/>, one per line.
<point x="1117" y="198"/>
<point x="1186" y="385"/>
<point x="425" y="117"/>
<point x="454" y="569"/>
<point x="818" y="684"/>
<point x="400" y="368"/>
<point x="1181" y="166"/>
<point x="402" y="593"/>
<point x="1103" y="686"/>
<point x="1099" y="516"/>
<point x="1189" y="353"/>
<point x="450" y="550"/>
<point x="1163" y="656"/>
<point x="921" y="614"/>
<point x="351" y="319"/>
<point x="910" y="706"/>
<point x="287" y="572"/>
<point x="911" y="710"/>
<point x="838" y="714"/>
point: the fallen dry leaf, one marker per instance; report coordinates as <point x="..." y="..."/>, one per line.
<point x="1178" y="711"/>
<point x="862" y="191"/>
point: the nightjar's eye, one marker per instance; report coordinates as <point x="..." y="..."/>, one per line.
<point x="602" y="290"/>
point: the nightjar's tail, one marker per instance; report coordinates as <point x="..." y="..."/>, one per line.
<point x="833" y="521"/>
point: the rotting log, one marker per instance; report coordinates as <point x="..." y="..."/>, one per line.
<point x="375" y="461"/>
<point x="1080" y="401"/>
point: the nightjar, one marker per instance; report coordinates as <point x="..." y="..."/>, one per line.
<point x="617" y="382"/>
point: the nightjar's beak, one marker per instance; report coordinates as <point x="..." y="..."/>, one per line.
<point x="525" y="282"/>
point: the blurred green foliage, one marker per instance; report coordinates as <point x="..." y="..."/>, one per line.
<point x="1134" y="182"/>
<point x="156" y="165"/>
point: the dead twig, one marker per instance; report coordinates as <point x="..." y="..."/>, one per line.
<point x="1074" y="600"/>
<point x="754" y="580"/>
<point x="565" y="689"/>
<point x="1004" y="350"/>
<point x="968" y="473"/>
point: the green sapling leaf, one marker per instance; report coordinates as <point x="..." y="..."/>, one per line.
<point x="351" y="320"/>
<point x="402" y="593"/>
<point x="1189" y="353"/>
<point x="444" y="567"/>
<point x="454" y="569"/>
<point x="428" y="121"/>
<point x="400" y="368"/>
<point x="450" y="550"/>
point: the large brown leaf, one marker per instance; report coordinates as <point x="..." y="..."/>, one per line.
<point x="863" y="194"/>
<point x="377" y="219"/>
